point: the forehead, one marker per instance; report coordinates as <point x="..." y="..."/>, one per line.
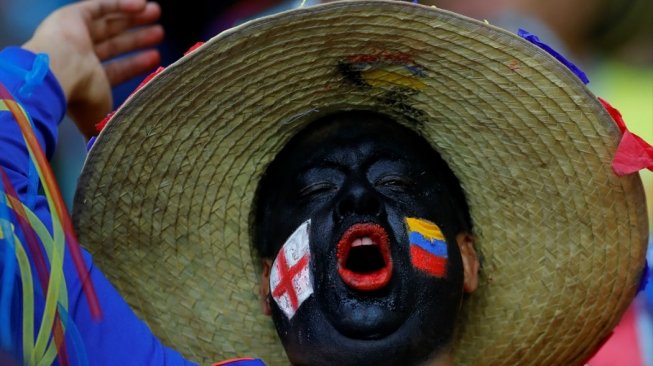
<point x="356" y="135"/>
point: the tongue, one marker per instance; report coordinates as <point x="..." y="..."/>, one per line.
<point x="371" y="243"/>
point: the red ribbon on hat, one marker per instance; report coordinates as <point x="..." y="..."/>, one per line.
<point x="633" y="153"/>
<point x="193" y="48"/>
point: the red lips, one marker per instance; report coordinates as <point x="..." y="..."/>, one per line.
<point x="364" y="260"/>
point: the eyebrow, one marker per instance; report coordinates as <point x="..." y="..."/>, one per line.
<point x="324" y="163"/>
<point x="330" y="163"/>
<point x="385" y="156"/>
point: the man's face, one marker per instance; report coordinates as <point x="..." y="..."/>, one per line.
<point x="358" y="179"/>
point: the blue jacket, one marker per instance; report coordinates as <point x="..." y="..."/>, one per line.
<point x="120" y="338"/>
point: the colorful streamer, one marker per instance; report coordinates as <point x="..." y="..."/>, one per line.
<point x="8" y="278"/>
<point x="52" y="194"/>
<point x="570" y="65"/>
<point x="49" y="286"/>
<point x="633" y="153"/>
<point x="50" y="341"/>
<point x="75" y="338"/>
<point x="28" y="301"/>
<point x="49" y="246"/>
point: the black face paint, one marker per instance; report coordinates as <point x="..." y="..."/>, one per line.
<point x="357" y="176"/>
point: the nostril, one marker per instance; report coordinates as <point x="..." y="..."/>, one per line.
<point x="359" y="200"/>
<point x="345" y="206"/>
<point x="372" y="205"/>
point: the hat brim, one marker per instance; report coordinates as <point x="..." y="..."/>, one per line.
<point x="165" y="196"/>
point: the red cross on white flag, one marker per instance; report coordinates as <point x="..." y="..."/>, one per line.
<point x="290" y="279"/>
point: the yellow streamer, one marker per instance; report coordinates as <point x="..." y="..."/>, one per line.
<point x="55" y="247"/>
<point x="52" y="296"/>
<point x="48" y="243"/>
<point x="43" y="234"/>
<point x="56" y="275"/>
<point x="54" y="253"/>
<point x="28" y="300"/>
<point x="56" y="264"/>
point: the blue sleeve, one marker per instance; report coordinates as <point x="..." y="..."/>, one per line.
<point x="120" y="338"/>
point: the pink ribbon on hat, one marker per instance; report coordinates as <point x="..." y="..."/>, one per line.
<point x="633" y="153"/>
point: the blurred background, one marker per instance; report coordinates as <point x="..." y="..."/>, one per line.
<point x="611" y="40"/>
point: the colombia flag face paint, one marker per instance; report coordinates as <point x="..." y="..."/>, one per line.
<point x="428" y="249"/>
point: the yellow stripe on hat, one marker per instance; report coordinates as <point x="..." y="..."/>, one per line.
<point x="3" y="106"/>
<point x="380" y="78"/>
<point x="428" y="229"/>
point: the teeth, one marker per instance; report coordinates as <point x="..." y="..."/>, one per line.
<point x="362" y="242"/>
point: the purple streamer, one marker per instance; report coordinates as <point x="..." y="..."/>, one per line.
<point x="90" y="143"/>
<point x="570" y="65"/>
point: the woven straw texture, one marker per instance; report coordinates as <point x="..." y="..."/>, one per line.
<point x="166" y="193"/>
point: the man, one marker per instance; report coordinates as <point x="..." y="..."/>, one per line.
<point x="362" y="232"/>
<point x="168" y="196"/>
<point x="79" y="40"/>
<point x="369" y="189"/>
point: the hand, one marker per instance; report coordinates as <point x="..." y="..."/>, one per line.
<point x="80" y="36"/>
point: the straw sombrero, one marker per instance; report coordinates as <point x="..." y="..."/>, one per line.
<point x="166" y="194"/>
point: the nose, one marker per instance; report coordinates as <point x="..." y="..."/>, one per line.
<point x="358" y="199"/>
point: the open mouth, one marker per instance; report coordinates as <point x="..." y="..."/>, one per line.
<point x="364" y="261"/>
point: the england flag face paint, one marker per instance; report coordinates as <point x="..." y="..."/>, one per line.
<point x="290" y="278"/>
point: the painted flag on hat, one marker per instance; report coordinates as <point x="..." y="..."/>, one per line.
<point x="290" y="279"/>
<point x="428" y="249"/>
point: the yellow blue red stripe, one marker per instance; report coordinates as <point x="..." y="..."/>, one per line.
<point x="433" y="246"/>
<point x="428" y="248"/>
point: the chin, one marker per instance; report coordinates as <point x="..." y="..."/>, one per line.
<point x="311" y="340"/>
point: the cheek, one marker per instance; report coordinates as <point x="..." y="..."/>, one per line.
<point x="323" y="232"/>
<point x="428" y="248"/>
<point x="286" y="221"/>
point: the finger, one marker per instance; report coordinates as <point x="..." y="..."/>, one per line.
<point x="112" y="24"/>
<point x="126" y="42"/>
<point x="121" y="70"/>
<point x="99" y="8"/>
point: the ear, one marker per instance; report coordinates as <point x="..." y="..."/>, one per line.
<point x="470" y="261"/>
<point x="264" y="290"/>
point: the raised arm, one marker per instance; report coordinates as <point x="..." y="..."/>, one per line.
<point x="80" y="37"/>
<point x="77" y="38"/>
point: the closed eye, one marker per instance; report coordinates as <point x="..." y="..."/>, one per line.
<point x="395" y="182"/>
<point x="317" y="189"/>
